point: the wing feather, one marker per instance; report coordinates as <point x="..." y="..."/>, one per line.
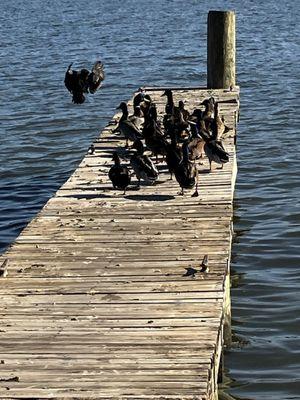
<point x="96" y="77"/>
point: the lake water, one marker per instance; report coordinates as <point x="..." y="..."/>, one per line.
<point x="44" y="136"/>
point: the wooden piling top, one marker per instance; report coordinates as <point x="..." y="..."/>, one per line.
<point x="96" y="303"/>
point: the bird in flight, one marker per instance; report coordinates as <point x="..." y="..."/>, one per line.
<point x="80" y="82"/>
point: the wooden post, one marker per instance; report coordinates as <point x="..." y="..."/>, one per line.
<point x="220" y="49"/>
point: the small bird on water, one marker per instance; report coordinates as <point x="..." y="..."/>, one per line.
<point x="84" y="81"/>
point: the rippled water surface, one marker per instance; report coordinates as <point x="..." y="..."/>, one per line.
<point x="44" y="136"/>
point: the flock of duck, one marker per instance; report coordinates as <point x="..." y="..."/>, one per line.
<point x="180" y="138"/>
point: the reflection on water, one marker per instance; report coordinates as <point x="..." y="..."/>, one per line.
<point x="44" y="136"/>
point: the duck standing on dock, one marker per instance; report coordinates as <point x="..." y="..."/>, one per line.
<point x="196" y="148"/>
<point x="168" y="117"/>
<point x="173" y="157"/>
<point x="196" y="141"/>
<point x="175" y="124"/>
<point x="126" y="126"/>
<point x="186" y="172"/>
<point x="154" y="137"/>
<point x="84" y="81"/>
<point x="215" y="151"/>
<point x="185" y="113"/>
<point x="208" y="114"/>
<point x="218" y="126"/>
<point x="137" y="117"/>
<point x="142" y="165"/>
<point x="119" y="175"/>
<point x="169" y="108"/>
<point x="142" y="100"/>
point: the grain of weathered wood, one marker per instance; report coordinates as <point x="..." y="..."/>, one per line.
<point x="97" y="303"/>
<point x="221" y="49"/>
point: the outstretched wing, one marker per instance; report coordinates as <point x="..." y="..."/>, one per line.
<point x="74" y="82"/>
<point x="70" y="78"/>
<point x="96" y="77"/>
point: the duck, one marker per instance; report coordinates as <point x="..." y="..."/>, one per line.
<point x="196" y="148"/>
<point x="142" y="165"/>
<point x="145" y="105"/>
<point x="91" y="149"/>
<point x="218" y="126"/>
<point x="126" y="126"/>
<point x="168" y="119"/>
<point x="213" y="148"/>
<point x="176" y="127"/>
<point x="137" y="118"/>
<point x="186" y="172"/>
<point x="76" y="83"/>
<point x="198" y="133"/>
<point x="154" y="137"/>
<point x="142" y="100"/>
<point x="193" y="120"/>
<point x="173" y="157"/>
<point x="215" y="151"/>
<point x="81" y="82"/>
<point x="209" y="105"/>
<point x="169" y="108"/>
<point x="139" y="97"/>
<point x="180" y="125"/>
<point x="209" y="111"/>
<point x="185" y="113"/>
<point x="119" y="175"/>
<point x="204" y="264"/>
<point x="198" y="126"/>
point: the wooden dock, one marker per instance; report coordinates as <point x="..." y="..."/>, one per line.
<point x="96" y="303"/>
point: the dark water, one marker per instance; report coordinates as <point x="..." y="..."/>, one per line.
<point x="44" y="136"/>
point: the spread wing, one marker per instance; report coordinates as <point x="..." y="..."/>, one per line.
<point x="74" y="84"/>
<point x="70" y="79"/>
<point x="96" y="77"/>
